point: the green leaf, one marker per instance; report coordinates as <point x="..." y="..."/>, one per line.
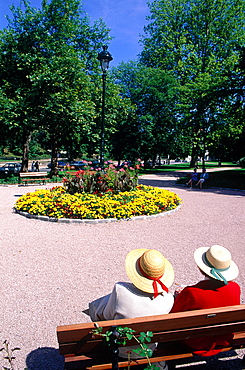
<point x="152" y="367"/>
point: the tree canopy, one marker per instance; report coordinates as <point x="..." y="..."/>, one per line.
<point x="47" y="74"/>
<point x="185" y="93"/>
<point x="199" y="43"/>
<point x="153" y="130"/>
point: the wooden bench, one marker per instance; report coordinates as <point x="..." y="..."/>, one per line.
<point x="27" y="177"/>
<point x="82" y="350"/>
<point x="207" y="182"/>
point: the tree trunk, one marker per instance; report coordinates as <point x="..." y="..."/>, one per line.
<point x="154" y="159"/>
<point x="25" y="157"/>
<point x="54" y="155"/>
<point x="194" y="157"/>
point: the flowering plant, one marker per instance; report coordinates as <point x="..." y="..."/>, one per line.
<point x="58" y="203"/>
<point x="111" y="179"/>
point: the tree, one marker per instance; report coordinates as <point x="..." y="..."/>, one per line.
<point x="46" y="76"/>
<point x="197" y="41"/>
<point x="153" y="92"/>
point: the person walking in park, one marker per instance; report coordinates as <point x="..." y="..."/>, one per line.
<point x="216" y="290"/>
<point x="33" y="167"/>
<point x="37" y="166"/>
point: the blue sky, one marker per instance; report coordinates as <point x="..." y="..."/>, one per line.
<point x="125" y="18"/>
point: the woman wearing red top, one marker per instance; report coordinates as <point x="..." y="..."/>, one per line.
<point x="216" y="290"/>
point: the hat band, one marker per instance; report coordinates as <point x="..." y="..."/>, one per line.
<point x="216" y="272"/>
<point x="155" y="281"/>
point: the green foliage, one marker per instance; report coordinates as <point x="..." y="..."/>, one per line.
<point x="230" y="179"/>
<point x="9" y="356"/>
<point x="9" y="179"/>
<point x="153" y="128"/>
<point x="199" y="42"/>
<point x="124" y="334"/>
<point x="241" y="162"/>
<point x="57" y="203"/>
<point x="99" y="182"/>
<point x="193" y="38"/>
<point x="186" y="94"/>
<point x="118" y="110"/>
<point x="47" y="83"/>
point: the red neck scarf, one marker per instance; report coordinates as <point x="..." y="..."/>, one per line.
<point x="155" y="281"/>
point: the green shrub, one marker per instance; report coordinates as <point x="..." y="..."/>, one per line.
<point x="9" y="179"/>
<point x="99" y="182"/>
<point x="241" y="162"/>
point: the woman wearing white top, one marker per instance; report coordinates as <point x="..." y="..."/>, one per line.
<point x="151" y="275"/>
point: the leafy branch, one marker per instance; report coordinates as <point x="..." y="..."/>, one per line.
<point x="9" y="355"/>
<point x="125" y="334"/>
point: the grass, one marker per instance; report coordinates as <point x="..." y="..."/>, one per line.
<point x="9" y="179"/>
<point x="14" y="179"/>
<point x="178" y="166"/>
<point x="231" y="179"/>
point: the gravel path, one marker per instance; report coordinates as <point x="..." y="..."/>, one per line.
<point x="50" y="271"/>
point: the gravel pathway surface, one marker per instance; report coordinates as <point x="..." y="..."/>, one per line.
<point x="50" y="271"/>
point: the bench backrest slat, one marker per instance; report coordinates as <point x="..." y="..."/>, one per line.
<point x="89" y="347"/>
<point x="30" y="174"/>
<point x="169" y="327"/>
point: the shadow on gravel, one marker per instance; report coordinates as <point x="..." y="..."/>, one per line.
<point x="169" y="183"/>
<point x="48" y="358"/>
<point x="222" y="361"/>
<point x="45" y="358"/>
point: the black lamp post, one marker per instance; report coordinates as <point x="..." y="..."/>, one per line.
<point x="104" y="57"/>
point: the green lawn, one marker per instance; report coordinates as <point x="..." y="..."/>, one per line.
<point x="185" y="166"/>
<point x="232" y="179"/>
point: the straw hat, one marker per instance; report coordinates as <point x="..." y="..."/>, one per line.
<point x="149" y="271"/>
<point x="216" y="262"/>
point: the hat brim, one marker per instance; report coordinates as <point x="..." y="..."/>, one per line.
<point x="140" y="281"/>
<point x="229" y="274"/>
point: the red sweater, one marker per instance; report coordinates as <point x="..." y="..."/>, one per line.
<point x="208" y="294"/>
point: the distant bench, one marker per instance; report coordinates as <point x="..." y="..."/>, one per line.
<point x="206" y="182"/>
<point x="28" y="177"/>
<point x="83" y="350"/>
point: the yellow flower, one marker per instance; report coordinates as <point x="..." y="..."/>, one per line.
<point x="145" y="200"/>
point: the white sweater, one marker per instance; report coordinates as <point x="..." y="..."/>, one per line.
<point x="126" y="301"/>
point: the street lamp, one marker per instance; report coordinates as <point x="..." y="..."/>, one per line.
<point x="104" y="57"/>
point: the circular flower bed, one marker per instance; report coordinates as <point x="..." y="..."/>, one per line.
<point x="57" y="203"/>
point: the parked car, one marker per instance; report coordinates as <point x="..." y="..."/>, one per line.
<point x="77" y="165"/>
<point x="10" y="168"/>
<point x="61" y="164"/>
<point x="95" y="164"/>
<point x="125" y="164"/>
